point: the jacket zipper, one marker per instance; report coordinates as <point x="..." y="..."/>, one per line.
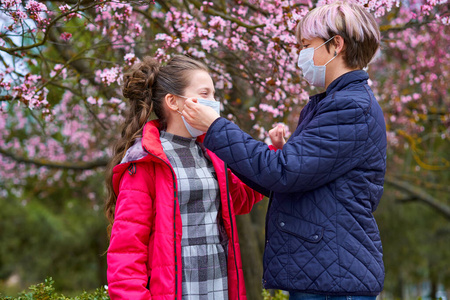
<point x="174" y="219"/>
<point x="232" y="230"/>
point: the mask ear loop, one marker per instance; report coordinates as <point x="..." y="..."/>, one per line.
<point x="325" y="42"/>
<point x="181" y="96"/>
<point x="335" y="54"/>
<point x="178" y="110"/>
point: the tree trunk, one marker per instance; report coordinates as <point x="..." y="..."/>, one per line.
<point x="100" y="244"/>
<point x="251" y="239"/>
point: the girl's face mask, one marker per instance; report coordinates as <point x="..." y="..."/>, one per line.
<point x="314" y="75"/>
<point x="214" y="104"/>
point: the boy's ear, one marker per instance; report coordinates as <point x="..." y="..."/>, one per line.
<point x="339" y="43"/>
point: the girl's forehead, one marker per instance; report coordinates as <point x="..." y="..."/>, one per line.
<point x="200" y="74"/>
<point x="201" y="79"/>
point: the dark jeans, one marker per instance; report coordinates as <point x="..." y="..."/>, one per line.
<point x="303" y="296"/>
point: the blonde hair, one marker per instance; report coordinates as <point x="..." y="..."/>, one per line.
<point x="349" y="20"/>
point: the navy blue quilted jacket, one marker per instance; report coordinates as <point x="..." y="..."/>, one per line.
<point x="324" y="184"/>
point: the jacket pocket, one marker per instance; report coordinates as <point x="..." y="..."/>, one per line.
<point x="305" y="230"/>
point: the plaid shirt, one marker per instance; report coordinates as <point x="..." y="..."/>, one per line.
<point x="204" y="243"/>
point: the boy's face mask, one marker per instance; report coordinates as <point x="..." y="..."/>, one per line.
<point x="214" y="104"/>
<point x="315" y="75"/>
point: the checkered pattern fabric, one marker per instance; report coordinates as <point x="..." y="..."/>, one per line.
<point x="203" y="244"/>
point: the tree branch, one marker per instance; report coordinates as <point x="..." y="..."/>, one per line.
<point x="84" y="2"/>
<point x="153" y="20"/>
<point x="212" y="11"/>
<point x="56" y="165"/>
<point x="65" y="51"/>
<point x="417" y="181"/>
<point x="50" y="25"/>
<point x="410" y="24"/>
<point x="418" y="194"/>
<point x="7" y="98"/>
<point x="256" y="8"/>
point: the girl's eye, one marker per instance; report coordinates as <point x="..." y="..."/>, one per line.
<point x="305" y="46"/>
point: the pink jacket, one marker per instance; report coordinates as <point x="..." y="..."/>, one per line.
<point x="144" y="254"/>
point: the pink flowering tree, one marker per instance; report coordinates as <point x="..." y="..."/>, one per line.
<point x="62" y="62"/>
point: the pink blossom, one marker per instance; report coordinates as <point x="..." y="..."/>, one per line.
<point x="217" y="22"/>
<point x="109" y="76"/>
<point x="64" y="8"/>
<point x="138" y="29"/>
<point x="115" y="100"/>
<point x="65" y="36"/>
<point x="11" y="3"/>
<point x="91" y="100"/>
<point x="33" y="5"/>
<point x="18" y="15"/>
<point x="91" y="27"/>
<point x="57" y="68"/>
<point x="129" y="58"/>
<point x="196" y="53"/>
<point x="36" y="10"/>
<point x="205" y="33"/>
<point x="208" y="44"/>
<point x="161" y="36"/>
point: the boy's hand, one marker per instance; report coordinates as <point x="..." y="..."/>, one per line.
<point x="197" y="115"/>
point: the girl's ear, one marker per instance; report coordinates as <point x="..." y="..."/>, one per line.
<point x="171" y="102"/>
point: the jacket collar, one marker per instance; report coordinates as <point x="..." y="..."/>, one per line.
<point x="151" y="139"/>
<point x="341" y="82"/>
<point x="150" y="144"/>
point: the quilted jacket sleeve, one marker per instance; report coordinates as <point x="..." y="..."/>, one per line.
<point x="330" y="145"/>
<point x="243" y="197"/>
<point x="251" y="184"/>
<point x="128" y="250"/>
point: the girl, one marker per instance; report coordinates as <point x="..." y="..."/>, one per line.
<point x="172" y="203"/>
<point x="325" y="182"/>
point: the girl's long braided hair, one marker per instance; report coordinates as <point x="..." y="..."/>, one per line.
<point x="145" y="85"/>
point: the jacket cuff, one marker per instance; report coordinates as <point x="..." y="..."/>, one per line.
<point x="210" y="131"/>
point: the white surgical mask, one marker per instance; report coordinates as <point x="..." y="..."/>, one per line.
<point x="193" y="131"/>
<point x="315" y="75"/>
